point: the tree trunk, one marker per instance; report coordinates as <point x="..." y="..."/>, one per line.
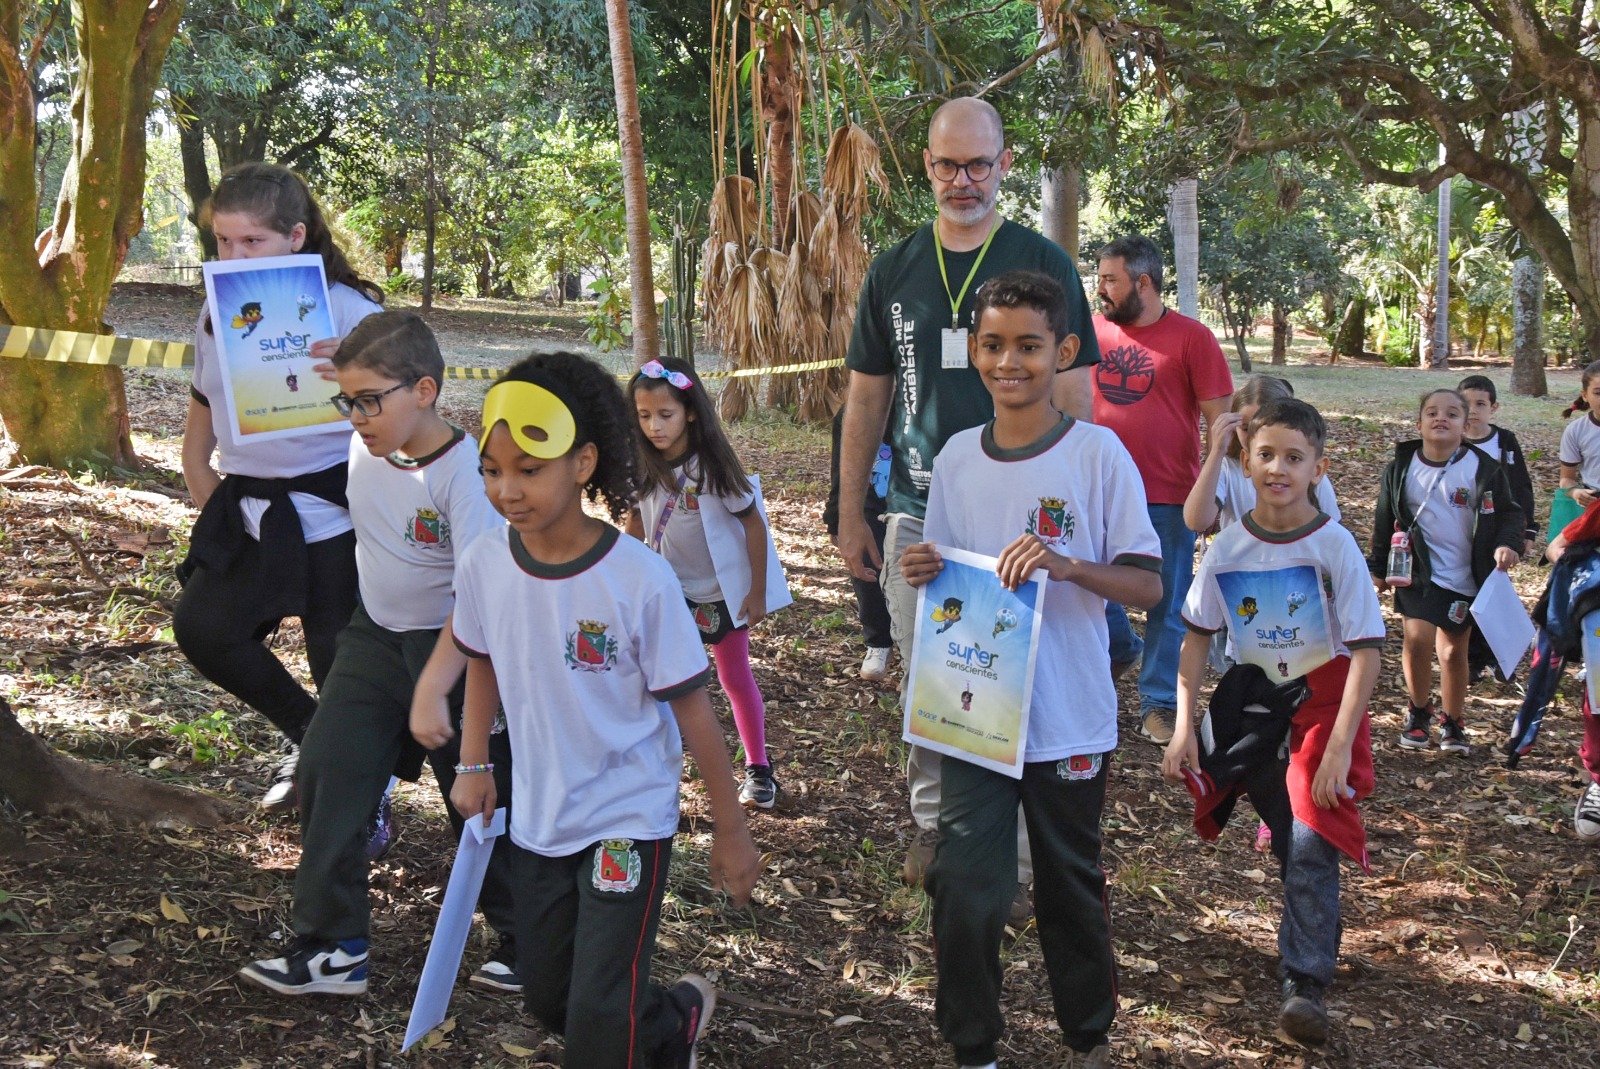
<point x="1282" y="332"/>
<point x="196" y="180"/>
<point x="1527" y="317"/>
<point x="780" y="103"/>
<point x="1059" y="191"/>
<point x="1183" y="216"/>
<point x="1439" y="348"/>
<point x="1351" y="338"/>
<point x="430" y="204"/>
<point x="62" y="278"/>
<point x="36" y="778"/>
<point x="646" y="332"/>
<point x="394" y="254"/>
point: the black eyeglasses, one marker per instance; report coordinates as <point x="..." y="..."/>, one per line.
<point x="977" y="170"/>
<point x="368" y="404"/>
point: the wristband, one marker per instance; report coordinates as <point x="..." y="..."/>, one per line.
<point x="462" y="770"/>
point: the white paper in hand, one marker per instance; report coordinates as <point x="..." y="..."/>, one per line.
<point x="1503" y="621"/>
<point x="455" y="921"/>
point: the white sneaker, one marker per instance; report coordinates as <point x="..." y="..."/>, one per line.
<point x="875" y="665"/>
<point x="1586" y="818"/>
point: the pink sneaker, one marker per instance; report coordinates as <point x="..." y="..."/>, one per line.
<point x="1263" y="839"/>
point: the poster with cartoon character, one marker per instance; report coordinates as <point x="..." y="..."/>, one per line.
<point x="1278" y="616"/>
<point x="265" y="313"/>
<point x="970" y="681"/>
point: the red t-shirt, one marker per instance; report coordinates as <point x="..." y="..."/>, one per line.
<point x="1148" y="387"/>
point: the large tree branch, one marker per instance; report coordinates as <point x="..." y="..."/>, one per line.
<point x="1551" y="57"/>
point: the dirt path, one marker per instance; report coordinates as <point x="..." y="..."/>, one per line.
<point x="118" y="947"/>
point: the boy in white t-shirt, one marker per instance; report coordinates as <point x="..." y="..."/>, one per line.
<point x="417" y="502"/>
<point x="1291" y="587"/>
<point x="990" y="486"/>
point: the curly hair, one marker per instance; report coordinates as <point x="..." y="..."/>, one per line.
<point x="602" y="416"/>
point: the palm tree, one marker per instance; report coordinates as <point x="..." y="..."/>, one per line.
<point x="646" y="334"/>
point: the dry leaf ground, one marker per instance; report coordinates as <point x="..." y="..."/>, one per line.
<point x="118" y="946"/>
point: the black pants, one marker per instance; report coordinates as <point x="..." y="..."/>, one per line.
<point x="870" y="602"/>
<point x="973" y="881"/>
<point x="586" y="929"/>
<point x="352" y="746"/>
<point x="218" y="631"/>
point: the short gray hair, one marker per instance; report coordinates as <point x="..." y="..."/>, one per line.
<point x="1141" y="255"/>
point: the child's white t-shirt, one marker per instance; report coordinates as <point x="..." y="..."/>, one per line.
<point x="983" y="497"/>
<point x="1356" y="616"/>
<point x="1236" y="494"/>
<point x="1580" y="448"/>
<point x="585" y="653"/>
<point x="684" y="542"/>
<point x="413" y="518"/>
<point x="280" y="458"/>
<point x="1444" y="501"/>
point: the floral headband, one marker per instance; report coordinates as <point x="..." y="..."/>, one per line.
<point x="654" y="370"/>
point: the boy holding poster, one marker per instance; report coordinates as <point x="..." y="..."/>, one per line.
<point x="1039" y="491"/>
<point x="1291" y="586"/>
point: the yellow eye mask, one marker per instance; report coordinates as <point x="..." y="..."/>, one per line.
<point x="540" y="422"/>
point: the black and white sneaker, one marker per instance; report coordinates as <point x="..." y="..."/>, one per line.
<point x="1453" y="736"/>
<point x="314" y="967"/>
<point x="1586" y="818"/>
<point x="760" y="788"/>
<point x="499" y="973"/>
<point x="283" y="796"/>
<point x="1414" y="736"/>
<point x="696" y="1000"/>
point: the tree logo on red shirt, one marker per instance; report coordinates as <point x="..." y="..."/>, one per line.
<point x="1125" y="374"/>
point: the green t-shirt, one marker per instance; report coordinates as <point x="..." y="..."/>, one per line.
<point x="903" y="308"/>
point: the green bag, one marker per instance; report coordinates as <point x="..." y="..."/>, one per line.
<point x="1563" y="510"/>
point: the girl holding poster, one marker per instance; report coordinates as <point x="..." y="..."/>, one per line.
<point x="273" y="538"/>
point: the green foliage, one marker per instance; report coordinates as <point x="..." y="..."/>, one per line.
<point x="606" y="326"/>
<point x="209" y="738"/>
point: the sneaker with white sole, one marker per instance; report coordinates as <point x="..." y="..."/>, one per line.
<point x="499" y="973"/>
<point x="875" y="665"/>
<point x="760" y="789"/>
<point x="1586" y="817"/>
<point x="1414" y="736"/>
<point x="1157" y="724"/>
<point x="696" y="1000"/>
<point x="314" y="967"/>
<point x="1453" y="736"/>
<point x="283" y="795"/>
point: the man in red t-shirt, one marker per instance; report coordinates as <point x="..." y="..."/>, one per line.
<point x="1159" y="373"/>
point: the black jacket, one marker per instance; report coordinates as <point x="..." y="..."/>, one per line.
<point x="1515" y="463"/>
<point x="1497" y="521"/>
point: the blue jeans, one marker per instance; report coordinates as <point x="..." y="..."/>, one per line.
<point x="1163" y="633"/>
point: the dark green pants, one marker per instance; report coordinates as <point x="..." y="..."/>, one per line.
<point x="354" y="744"/>
<point x="586" y="929"/>
<point x="973" y="881"/>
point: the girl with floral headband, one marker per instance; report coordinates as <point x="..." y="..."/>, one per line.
<point x="699" y="510"/>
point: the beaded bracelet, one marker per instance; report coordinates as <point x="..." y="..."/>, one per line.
<point x="462" y="770"/>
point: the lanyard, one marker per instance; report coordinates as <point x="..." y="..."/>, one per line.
<point x="956" y="299"/>
<point x="1428" y="491"/>
<point x="666" y="513"/>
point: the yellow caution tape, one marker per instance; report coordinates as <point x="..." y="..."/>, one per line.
<point x="77" y="347"/>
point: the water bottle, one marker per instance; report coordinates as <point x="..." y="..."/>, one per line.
<point x="1399" y="559"/>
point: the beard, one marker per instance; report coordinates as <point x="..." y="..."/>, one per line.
<point x="1128" y="310"/>
<point x="966" y="216"/>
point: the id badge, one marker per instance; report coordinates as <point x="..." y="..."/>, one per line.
<point x="953" y="347"/>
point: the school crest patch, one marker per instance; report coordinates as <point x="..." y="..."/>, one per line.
<point x="616" y="866"/>
<point x="1079" y="766"/>
<point x="1460" y="499"/>
<point x="1458" y="611"/>
<point x="1051" y="521"/>
<point x="428" y="528"/>
<point x="707" y="618"/>
<point x="691" y="499"/>
<point x="590" y="649"/>
<point x="1487" y="508"/>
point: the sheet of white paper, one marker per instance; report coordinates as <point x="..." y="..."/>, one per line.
<point x="1503" y="620"/>
<point x="450" y="934"/>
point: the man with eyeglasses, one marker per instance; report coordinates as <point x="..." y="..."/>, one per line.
<point x="909" y="372"/>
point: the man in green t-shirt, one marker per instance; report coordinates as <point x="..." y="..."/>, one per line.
<point x="912" y="386"/>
